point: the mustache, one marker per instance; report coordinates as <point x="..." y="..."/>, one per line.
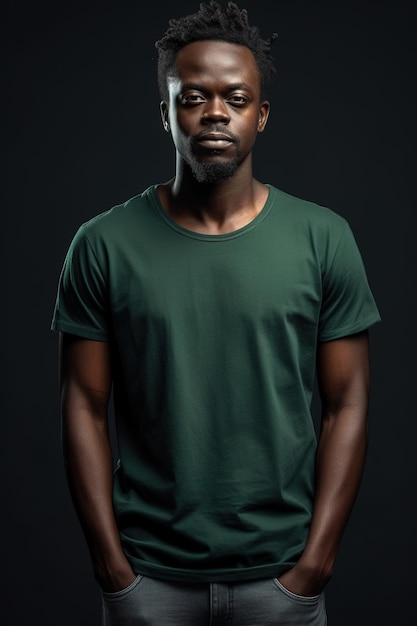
<point x="221" y="130"/>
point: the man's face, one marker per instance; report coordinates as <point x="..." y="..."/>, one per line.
<point x="214" y="111"/>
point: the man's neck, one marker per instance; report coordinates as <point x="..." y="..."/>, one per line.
<point x="213" y="208"/>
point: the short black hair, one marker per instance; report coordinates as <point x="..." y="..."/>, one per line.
<point x="211" y="22"/>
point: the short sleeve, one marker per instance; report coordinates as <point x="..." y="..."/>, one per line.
<point x="348" y="305"/>
<point x="80" y="306"/>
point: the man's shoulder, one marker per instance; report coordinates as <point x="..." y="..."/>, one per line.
<point x="306" y="211"/>
<point x="119" y="216"/>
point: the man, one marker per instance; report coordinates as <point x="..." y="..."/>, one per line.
<point x="206" y="304"/>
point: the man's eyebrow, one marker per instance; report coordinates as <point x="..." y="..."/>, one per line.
<point x="192" y="86"/>
<point x="230" y="87"/>
<point x="240" y="86"/>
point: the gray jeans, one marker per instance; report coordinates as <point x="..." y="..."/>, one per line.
<point x="151" y="602"/>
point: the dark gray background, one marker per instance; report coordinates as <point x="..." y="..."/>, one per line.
<point x="82" y="132"/>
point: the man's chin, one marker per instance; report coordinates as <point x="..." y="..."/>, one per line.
<point x="212" y="172"/>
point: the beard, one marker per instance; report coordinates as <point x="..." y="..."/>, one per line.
<point x="212" y="172"/>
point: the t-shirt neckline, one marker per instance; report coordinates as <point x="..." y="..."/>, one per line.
<point x="205" y="237"/>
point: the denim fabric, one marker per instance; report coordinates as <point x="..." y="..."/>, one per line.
<point x="151" y="602"/>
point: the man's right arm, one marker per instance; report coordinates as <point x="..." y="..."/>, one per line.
<point x="85" y="384"/>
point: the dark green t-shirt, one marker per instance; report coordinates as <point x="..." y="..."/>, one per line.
<point x="214" y="342"/>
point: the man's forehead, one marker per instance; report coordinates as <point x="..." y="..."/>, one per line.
<point x="213" y="47"/>
<point x="216" y="59"/>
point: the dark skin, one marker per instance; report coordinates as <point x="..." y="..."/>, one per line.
<point x="215" y="90"/>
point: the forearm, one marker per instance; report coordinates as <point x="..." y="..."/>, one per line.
<point x="343" y="376"/>
<point x="339" y="467"/>
<point x="85" y="383"/>
<point x="89" y="467"/>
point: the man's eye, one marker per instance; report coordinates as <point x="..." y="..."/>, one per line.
<point x="237" y="100"/>
<point x="192" y="98"/>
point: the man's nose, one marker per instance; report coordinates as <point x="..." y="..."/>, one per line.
<point x="215" y="111"/>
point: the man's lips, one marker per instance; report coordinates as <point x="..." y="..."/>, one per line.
<point x="214" y="140"/>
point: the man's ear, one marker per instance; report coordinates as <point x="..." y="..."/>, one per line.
<point x="264" y="109"/>
<point x="164" y="115"/>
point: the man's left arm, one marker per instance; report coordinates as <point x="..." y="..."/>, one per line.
<point x="343" y="379"/>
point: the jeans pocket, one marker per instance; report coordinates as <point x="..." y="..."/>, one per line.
<point x="295" y="597"/>
<point x="123" y="593"/>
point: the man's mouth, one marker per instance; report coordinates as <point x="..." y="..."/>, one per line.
<point x="214" y="140"/>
